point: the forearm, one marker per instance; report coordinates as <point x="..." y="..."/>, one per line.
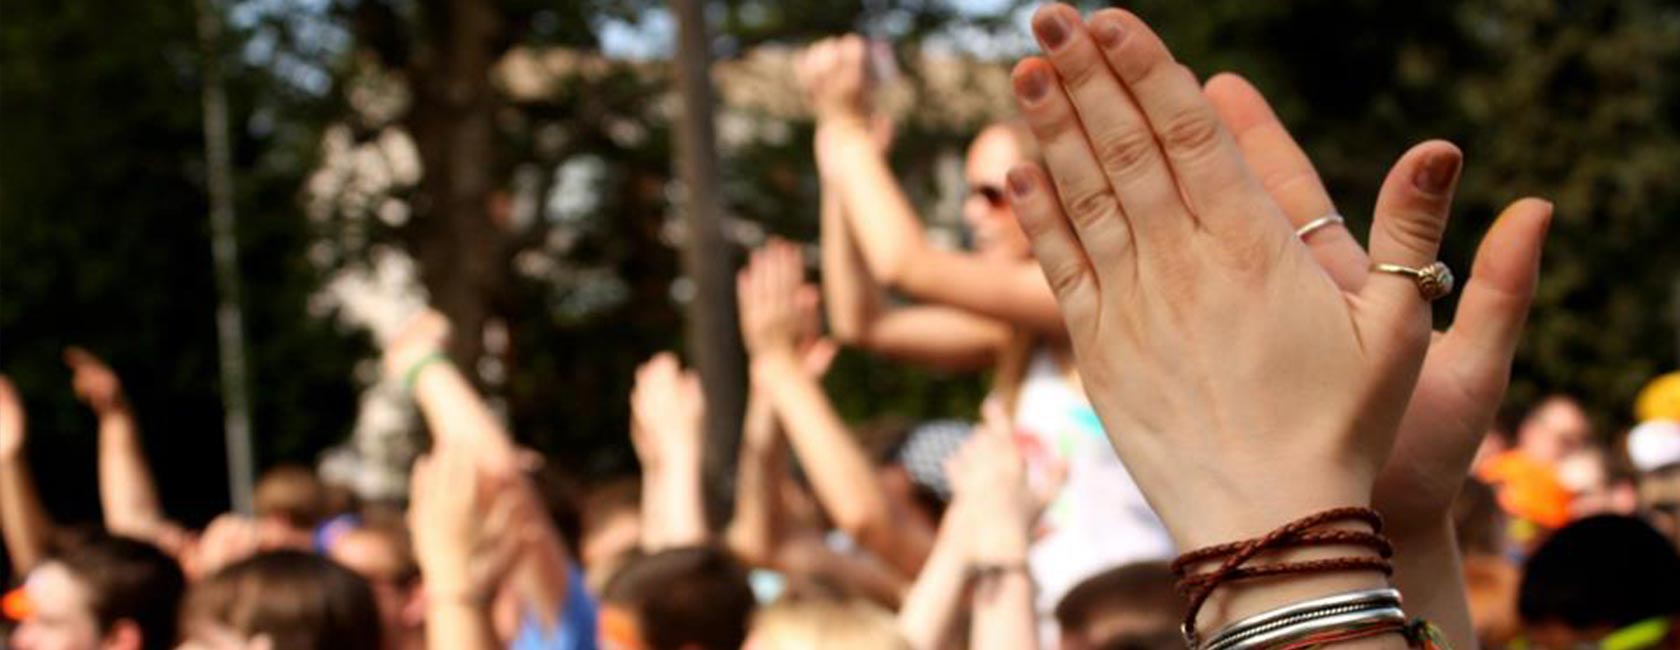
<point x="932" y="603"/>
<point x="673" y="513"/>
<point x="883" y="223"/>
<point x="126" y="490"/>
<point x="755" y="532"/>
<point x="1003" y="613"/>
<point x="1429" y="574"/>
<point x="23" y="519"/>
<point x="851" y="298"/>
<point x="456" y="624"/>
<point x="458" y="417"/>
<point x="840" y="473"/>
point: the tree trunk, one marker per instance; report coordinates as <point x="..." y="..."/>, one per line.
<point x="230" y="327"/>
<point x="454" y="238"/>
<point x="713" y="337"/>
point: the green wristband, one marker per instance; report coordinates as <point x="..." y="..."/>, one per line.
<point x="412" y="375"/>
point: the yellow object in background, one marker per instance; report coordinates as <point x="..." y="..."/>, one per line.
<point x="1659" y="400"/>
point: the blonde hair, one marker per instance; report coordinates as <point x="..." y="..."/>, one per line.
<point x="826" y="624"/>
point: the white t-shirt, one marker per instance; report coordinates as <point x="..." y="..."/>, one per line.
<point x="1099" y="520"/>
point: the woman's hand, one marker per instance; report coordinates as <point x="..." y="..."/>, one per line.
<point x="778" y="310"/>
<point x="1467" y="367"/>
<point x="94" y="383"/>
<point x="1240" y="384"/>
<point x="834" y="75"/>
<point x="667" y="412"/>
<point x="988" y="476"/>
<point x="465" y="533"/>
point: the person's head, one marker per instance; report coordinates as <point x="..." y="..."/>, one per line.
<point x="1132" y="607"/>
<point x="292" y="499"/>
<point x="691" y="598"/>
<point x="1554" y="429"/>
<point x="281" y="600"/>
<point x="107" y="593"/>
<point x="825" y="624"/>
<point x="379" y="551"/>
<point x="986" y="210"/>
<point x="1597" y="577"/>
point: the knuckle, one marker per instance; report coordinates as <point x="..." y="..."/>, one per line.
<point x="1088" y="206"/>
<point x="1191" y="133"/>
<point x="1123" y="152"/>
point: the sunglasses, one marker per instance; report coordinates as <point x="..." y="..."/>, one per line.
<point x="993" y="194"/>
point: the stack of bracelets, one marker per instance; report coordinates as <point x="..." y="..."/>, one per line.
<point x="1332" y="619"/>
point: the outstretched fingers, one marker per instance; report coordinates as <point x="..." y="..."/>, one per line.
<point x="1288" y="176"/>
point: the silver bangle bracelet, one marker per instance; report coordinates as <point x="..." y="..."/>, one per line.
<point x="1306" y="628"/>
<point x="1283" y="616"/>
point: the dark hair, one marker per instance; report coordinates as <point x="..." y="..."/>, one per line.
<point x="301" y="601"/>
<point x="1607" y="570"/>
<point x="129" y="580"/>
<point x="292" y="493"/>
<point x="694" y="596"/>
<point x="1144" y="590"/>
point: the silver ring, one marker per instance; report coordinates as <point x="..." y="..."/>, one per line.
<point x="1319" y="223"/>
<point x="1434" y="281"/>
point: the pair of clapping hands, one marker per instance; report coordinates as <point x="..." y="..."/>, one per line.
<point x="1250" y="361"/>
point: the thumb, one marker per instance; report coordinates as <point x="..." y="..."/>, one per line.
<point x="1495" y="304"/>
<point x="1406" y="230"/>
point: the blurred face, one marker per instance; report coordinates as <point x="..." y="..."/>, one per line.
<point x="373" y="557"/>
<point x="60" y="618"/>
<point x="986" y="210"/>
<point x="1557" y="429"/>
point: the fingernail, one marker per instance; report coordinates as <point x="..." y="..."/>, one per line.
<point x="1020" y="183"/>
<point x="1053" y="30"/>
<point x="1033" y="86"/>
<point x="1437" y="174"/>
<point x="1108" y="34"/>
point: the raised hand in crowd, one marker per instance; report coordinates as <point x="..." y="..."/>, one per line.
<point x="1149" y="225"/>
<point x="127" y="491"/>
<point x="667" y="429"/>
<point x="466" y="541"/>
<point x="1464" y="373"/>
<point x="457" y="416"/>
<point x="776" y="309"/>
<point x="990" y="481"/>
<point x="24" y="522"/>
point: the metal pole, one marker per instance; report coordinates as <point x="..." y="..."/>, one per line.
<point x="230" y="328"/>
<point x="714" y="341"/>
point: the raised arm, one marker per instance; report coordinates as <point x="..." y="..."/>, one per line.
<point x="844" y="480"/>
<point x="126" y="490"/>
<point x="942" y="337"/>
<point x="22" y="517"/>
<point x="756" y="532"/>
<point x="988" y="471"/>
<point x="931" y="605"/>
<point x="667" y="410"/>
<point x="465" y="541"/>
<point x="883" y="222"/>
<point x="454" y="411"/>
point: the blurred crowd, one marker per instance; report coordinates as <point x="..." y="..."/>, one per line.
<point x="1021" y="529"/>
